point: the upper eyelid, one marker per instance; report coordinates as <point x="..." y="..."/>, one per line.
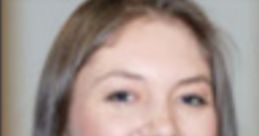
<point x="204" y="91"/>
<point x="206" y="96"/>
<point x="134" y="77"/>
<point x="126" y="87"/>
<point x="124" y="79"/>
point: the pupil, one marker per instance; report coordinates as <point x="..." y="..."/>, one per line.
<point x="194" y="100"/>
<point x="121" y="96"/>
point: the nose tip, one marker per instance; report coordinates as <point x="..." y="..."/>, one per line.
<point x="163" y="127"/>
<point x="157" y="126"/>
<point x="159" y="121"/>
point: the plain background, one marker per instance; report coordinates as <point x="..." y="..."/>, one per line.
<point x="30" y="26"/>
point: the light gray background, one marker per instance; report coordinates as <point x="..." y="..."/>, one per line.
<point x="30" y="26"/>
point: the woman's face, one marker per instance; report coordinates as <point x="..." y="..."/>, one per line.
<point x="151" y="80"/>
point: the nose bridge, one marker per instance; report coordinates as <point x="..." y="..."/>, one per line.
<point x="162" y="120"/>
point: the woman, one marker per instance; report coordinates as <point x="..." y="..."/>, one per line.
<point x="136" y="68"/>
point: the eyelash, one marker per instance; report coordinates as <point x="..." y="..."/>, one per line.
<point x="125" y="96"/>
<point x="194" y="100"/>
<point x="121" y="96"/>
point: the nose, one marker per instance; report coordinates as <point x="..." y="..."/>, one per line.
<point x="162" y="124"/>
<point x="158" y="124"/>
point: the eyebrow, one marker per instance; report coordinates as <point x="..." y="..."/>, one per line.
<point x="120" y="73"/>
<point x="195" y="79"/>
<point x="134" y="76"/>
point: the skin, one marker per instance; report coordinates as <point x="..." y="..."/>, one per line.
<point x="151" y="80"/>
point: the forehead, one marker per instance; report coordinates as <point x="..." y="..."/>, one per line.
<point x="153" y="47"/>
<point x="160" y="33"/>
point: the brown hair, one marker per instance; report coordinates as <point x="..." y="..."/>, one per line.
<point x="87" y="30"/>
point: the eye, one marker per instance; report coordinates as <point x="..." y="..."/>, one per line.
<point x="194" y="100"/>
<point x="121" y="96"/>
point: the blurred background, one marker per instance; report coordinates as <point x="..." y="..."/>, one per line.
<point x="30" y="26"/>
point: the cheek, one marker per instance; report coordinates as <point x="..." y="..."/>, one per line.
<point x="197" y="123"/>
<point x="95" y="120"/>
